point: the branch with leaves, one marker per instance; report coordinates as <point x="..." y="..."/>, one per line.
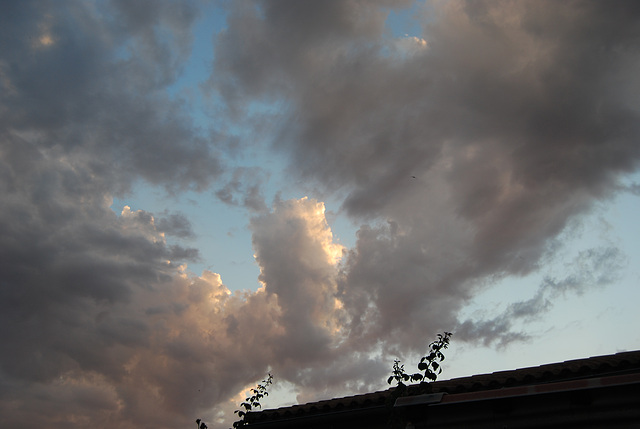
<point x="400" y="375"/>
<point x="429" y="364"/>
<point x="253" y="401"/>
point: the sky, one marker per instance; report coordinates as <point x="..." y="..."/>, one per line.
<point x="194" y="194"/>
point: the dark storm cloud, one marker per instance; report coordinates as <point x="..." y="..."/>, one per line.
<point x="84" y="114"/>
<point x="284" y="39"/>
<point x="77" y="83"/>
<point x="514" y="117"/>
<point x="536" y="85"/>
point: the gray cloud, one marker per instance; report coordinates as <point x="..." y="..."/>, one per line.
<point x="245" y="189"/>
<point x="591" y="268"/>
<point x="514" y="119"/>
<point x="529" y="105"/>
<point x="84" y="89"/>
<point x="84" y="116"/>
<point x="176" y="224"/>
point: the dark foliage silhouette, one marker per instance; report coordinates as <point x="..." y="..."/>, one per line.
<point x="430" y="364"/>
<point x="253" y="401"/>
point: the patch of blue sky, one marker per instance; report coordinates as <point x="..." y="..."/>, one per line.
<point x="405" y="22"/>
<point x="197" y="68"/>
<point x="221" y="230"/>
<point x="221" y="234"/>
<point x="404" y="32"/>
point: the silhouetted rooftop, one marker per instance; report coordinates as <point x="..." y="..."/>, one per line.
<point x="617" y="368"/>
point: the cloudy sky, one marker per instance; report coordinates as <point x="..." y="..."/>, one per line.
<point x="196" y="193"/>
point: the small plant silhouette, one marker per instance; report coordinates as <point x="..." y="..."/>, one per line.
<point x="429" y="364"/>
<point x="400" y="375"/>
<point x="429" y="367"/>
<point x="253" y="401"/>
<point x="249" y="403"/>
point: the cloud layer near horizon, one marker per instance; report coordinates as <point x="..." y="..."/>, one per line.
<point x="464" y="152"/>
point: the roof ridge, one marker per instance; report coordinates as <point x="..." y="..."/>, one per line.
<point x="571" y="369"/>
